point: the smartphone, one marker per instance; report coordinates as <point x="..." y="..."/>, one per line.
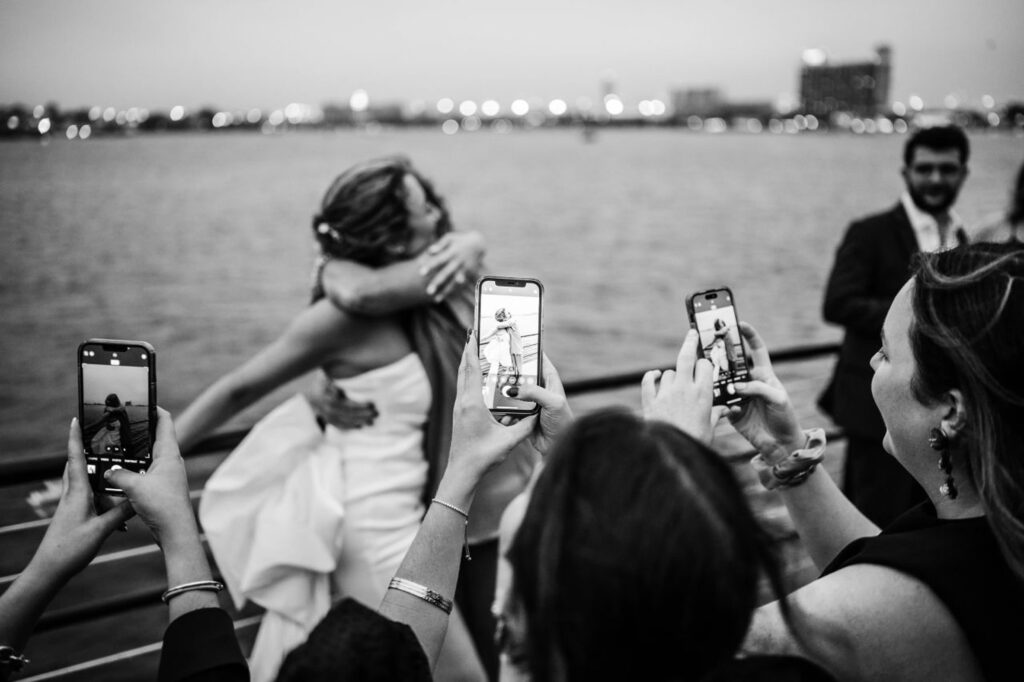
<point x="116" y="407"/>
<point x="713" y="314"/>
<point x="509" y="325"/>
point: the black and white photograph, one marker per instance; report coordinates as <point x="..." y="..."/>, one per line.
<point x="298" y="207"/>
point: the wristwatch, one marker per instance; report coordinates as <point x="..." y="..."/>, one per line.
<point x="11" y="660"/>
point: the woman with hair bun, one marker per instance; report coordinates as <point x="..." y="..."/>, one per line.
<point x="938" y="593"/>
<point x="300" y="516"/>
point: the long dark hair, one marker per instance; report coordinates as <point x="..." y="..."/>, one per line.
<point x="637" y="557"/>
<point x="968" y="333"/>
<point x="363" y="216"/>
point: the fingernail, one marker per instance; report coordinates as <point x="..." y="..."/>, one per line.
<point x="423" y="271"/>
<point x="431" y="289"/>
<point x="513" y="391"/>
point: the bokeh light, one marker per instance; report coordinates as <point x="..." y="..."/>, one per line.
<point x="450" y="126"/>
<point x="359" y="101"/>
<point x="85" y="131"/>
<point x="44" y="126"/>
<point x="445" y="105"/>
<point x="467" y="107"/>
<point x="177" y="113"/>
<point x="613" y="105"/>
<point x="490" y="107"/>
<point x="520" y="107"/>
<point x="557" y="107"/>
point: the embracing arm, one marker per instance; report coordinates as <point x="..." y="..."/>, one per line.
<point x="867" y="622"/>
<point x="306" y="344"/>
<point x="406" y="284"/>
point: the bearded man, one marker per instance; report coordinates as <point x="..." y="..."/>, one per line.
<point x="871" y="265"/>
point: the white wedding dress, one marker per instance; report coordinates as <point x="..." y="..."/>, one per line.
<point x="297" y="517"/>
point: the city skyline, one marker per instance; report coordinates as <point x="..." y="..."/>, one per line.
<point x="263" y="54"/>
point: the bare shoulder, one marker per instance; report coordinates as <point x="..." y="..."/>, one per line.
<point x="872" y="622"/>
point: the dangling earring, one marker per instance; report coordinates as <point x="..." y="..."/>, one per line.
<point x="940" y="442"/>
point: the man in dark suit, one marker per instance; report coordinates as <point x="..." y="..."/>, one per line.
<point x="871" y="265"/>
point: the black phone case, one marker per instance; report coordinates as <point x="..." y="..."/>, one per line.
<point x="691" y="315"/>
<point x="97" y="482"/>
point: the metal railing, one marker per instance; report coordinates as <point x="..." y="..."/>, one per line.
<point x="25" y="471"/>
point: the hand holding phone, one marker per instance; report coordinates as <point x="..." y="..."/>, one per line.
<point x="713" y="314"/>
<point x="509" y="327"/>
<point x="116" y="407"/>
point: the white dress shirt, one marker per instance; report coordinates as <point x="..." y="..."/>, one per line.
<point x="926" y="228"/>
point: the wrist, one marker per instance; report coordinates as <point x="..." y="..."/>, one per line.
<point x="458" y="488"/>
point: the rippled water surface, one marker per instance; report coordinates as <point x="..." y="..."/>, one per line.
<point x="200" y="244"/>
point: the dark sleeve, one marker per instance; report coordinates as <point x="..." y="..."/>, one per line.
<point x="200" y="646"/>
<point x="850" y="300"/>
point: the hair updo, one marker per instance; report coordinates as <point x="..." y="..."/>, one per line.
<point x="363" y="216"/>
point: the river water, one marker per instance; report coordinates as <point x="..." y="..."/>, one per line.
<point x="200" y="244"/>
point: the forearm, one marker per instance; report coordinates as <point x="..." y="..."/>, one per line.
<point x="209" y="411"/>
<point x="823" y="516"/>
<point x="24" y="602"/>
<point x="380" y="291"/>
<point x="185" y="562"/>
<point x="432" y="561"/>
<point x="859" y="312"/>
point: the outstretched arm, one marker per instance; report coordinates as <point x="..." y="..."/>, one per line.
<point x="449" y="262"/>
<point x="306" y="344"/>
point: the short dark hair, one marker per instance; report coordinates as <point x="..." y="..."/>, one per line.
<point x="938" y="138"/>
<point x="638" y="556"/>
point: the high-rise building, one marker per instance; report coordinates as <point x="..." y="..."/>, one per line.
<point x="702" y="102"/>
<point x="859" y="88"/>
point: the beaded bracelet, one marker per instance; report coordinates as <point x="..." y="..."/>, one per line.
<point x="796" y="468"/>
<point x="207" y="585"/>
<point x="463" y="514"/>
<point x="424" y="593"/>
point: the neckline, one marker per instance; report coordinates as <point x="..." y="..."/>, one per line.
<point x="404" y="359"/>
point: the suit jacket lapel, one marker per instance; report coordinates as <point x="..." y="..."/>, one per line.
<point x="904" y="231"/>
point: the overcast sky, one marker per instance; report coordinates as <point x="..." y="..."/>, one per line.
<point x="255" y="53"/>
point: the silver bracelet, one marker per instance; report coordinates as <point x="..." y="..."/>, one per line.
<point x="424" y="593"/>
<point x="463" y="514"/>
<point x="206" y="585"/>
<point x="10" y="660"/>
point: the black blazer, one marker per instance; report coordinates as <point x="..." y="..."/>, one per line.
<point x="872" y="264"/>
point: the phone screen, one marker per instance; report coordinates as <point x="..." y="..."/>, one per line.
<point x="117" y="410"/>
<point x="714" y="316"/>
<point x="508" y="328"/>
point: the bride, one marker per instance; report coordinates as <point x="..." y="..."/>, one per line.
<point x="297" y="517"/>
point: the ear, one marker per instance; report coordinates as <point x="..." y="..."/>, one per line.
<point x="954" y="420"/>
